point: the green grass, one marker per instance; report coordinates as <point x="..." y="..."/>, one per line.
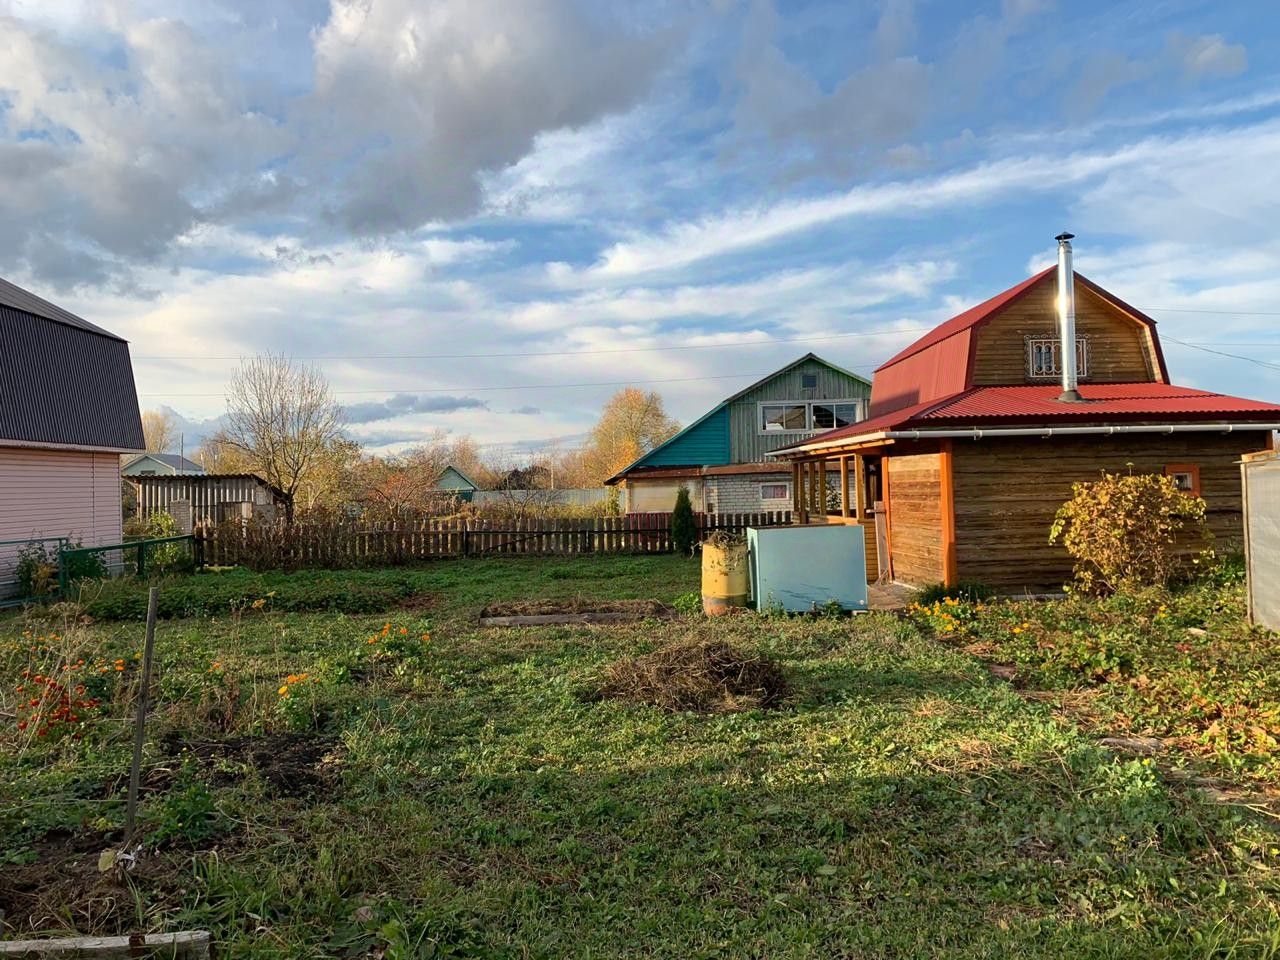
<point x="479" y="801"/>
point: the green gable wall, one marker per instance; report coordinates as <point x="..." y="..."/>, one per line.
<point x="747" y="444"/>
<point x="705" y="442"/>
<point x="451" y="479"/>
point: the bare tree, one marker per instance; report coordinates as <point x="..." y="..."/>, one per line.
<point x="282" y="416"/>
<point x="159" y="430"/>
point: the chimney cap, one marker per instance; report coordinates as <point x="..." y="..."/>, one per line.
<point x="1064" y="236"/>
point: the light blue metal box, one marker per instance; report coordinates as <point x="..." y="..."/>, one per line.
<point x="804" y="568"/>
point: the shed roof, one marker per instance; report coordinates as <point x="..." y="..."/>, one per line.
<point x="173" y="460"/>
<point x="64" y="382"/>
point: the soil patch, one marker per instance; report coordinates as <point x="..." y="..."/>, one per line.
<point x="292" y="764"/>
<point x="571" y="610"/>
<point x="709" y="676"/>
<point x="419" y="601"/>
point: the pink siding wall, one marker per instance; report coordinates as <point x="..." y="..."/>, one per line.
<point x="58" y="493"/>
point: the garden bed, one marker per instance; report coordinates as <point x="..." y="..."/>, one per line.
<point x="526" y="613"/>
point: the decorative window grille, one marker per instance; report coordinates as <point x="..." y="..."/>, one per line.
<point x="1043" y="358"/>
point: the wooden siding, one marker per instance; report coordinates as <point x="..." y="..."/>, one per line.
<point x="1120" y="348"/>
<point x="205" y="494"/>
<point x="747" y="444"/>
<point x="1008" y="490"/>
<point x="703" y="443"/>
<point x="915" y="516"/>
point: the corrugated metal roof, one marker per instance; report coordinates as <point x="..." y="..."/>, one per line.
<point x="14" y="296"/>
<point x="1103" y="403"/>
<point x="1101" y="400"/>
<point x="64" y="381"/>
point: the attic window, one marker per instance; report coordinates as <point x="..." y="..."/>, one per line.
<point x="809" y="381"/>
<point x="1043" y="357"/>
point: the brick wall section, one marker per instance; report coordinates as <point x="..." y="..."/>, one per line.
<point x="741" y="494"/>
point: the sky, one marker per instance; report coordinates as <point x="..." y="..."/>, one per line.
<point x="486" y="217"/>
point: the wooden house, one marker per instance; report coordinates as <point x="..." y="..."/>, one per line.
<point x="68" y="410"/>
<point x="457" y="484"/>
<point x="979" y="428"/>
<point x="721" y="456"/>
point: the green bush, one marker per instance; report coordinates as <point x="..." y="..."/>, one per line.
<point x="968" y="590"/>
<point x="684" y="528"/>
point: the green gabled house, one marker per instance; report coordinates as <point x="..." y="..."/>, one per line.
<point x="457" y="483"/>
<point x="720" y="457"/>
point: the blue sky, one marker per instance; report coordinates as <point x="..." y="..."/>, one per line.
<point x="483" y="218"/>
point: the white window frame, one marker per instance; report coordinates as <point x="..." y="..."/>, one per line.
<point x="785" y="484"/>
<point x="859" y="402"/>
<point x="1053" y="342"/>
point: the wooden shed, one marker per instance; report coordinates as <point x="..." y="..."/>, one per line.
<point x="979" y="428"/>
<point x="209" y="498"/>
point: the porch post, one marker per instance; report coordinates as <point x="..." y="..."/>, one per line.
<point x="797" y="492"/>
<point x="844" y="486"/>
<point x="822" y="488"/>
<point x="860" y="486"/>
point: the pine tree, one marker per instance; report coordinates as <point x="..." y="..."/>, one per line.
<point x="684" y="529"/>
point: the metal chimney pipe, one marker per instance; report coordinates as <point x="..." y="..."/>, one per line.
<point x="1067" y="321"/>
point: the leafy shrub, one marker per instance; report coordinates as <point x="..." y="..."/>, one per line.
<point x="37" y="570"/>
<point x="969" y="591"/>
<point x="1128" y="531"/>
<point x="684" y="528"/>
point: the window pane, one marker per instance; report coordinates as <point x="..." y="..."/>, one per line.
<point x="846" y="413"/>
<point x="824" y="417"/>
<point x="780" y="417"/>
<point x="775" y="491"/>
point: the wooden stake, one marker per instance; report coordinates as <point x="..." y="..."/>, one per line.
<point x="140" y="727"/>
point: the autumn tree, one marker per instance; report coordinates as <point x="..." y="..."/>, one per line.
<point x="159" y="430"/>
<point x="283" y="418"/>
<point x="631" y="424"/>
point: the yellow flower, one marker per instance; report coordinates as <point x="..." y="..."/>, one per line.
<point x="258" y="604"/>
<point x="283" y="691"/>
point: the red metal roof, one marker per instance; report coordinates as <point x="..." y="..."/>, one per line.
<point x="1103" y="403"/>
<point x="969" y="319"/>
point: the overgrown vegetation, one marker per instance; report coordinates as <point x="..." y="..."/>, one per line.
<point x="1129" y="531"/>
<point x="407" y="784"/>
<point x="1183" y="665"/>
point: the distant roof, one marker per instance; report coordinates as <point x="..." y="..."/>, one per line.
<point x="1016" y="405"/>
<point x="724" y="403"/>
<point x="63" y="381"/>
<point x="169" y="460"/>
<point x="462" y="476"/>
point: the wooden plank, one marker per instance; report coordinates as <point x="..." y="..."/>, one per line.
<point x="185" y="944"/>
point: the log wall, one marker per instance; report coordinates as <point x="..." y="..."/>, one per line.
<point x="1008" y="490"/>
<point x="1120" y="348"/>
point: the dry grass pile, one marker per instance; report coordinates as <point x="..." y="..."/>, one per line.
<point x="709" y="676"/>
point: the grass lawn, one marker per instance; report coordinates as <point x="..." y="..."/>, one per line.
<point x="426" y="788"/>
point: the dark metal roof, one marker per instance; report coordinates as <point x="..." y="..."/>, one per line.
<point x="26" y="301"/>
<point x="63" y="381"/>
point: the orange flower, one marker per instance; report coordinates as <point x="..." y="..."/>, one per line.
<point x="372" y="640"/>
<point x="404" y="631"/>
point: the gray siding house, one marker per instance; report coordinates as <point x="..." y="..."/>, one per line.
<point x="160" y="465"/>
<point x="720" y="457"/>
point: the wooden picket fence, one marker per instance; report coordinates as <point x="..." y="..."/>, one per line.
<point x="339" y="544"/>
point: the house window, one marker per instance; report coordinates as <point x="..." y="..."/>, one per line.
<point x="775" y="491"/>
<point x="808" y="381"/>
<point x="811" y="416"/>
<point x="1043" y="357"/>
<point x="777" y="417"/>
<point x="829" y="416"/>
<point x="1186" y="477"/>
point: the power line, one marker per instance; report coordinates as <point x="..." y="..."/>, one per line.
<point x="1223" y="353"/>
<point x="569" y="353"/>
<point x="513" y="386"/>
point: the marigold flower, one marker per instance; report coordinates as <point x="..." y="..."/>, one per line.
<point x="283" y="691"/>
<point x="404" y="631"/>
